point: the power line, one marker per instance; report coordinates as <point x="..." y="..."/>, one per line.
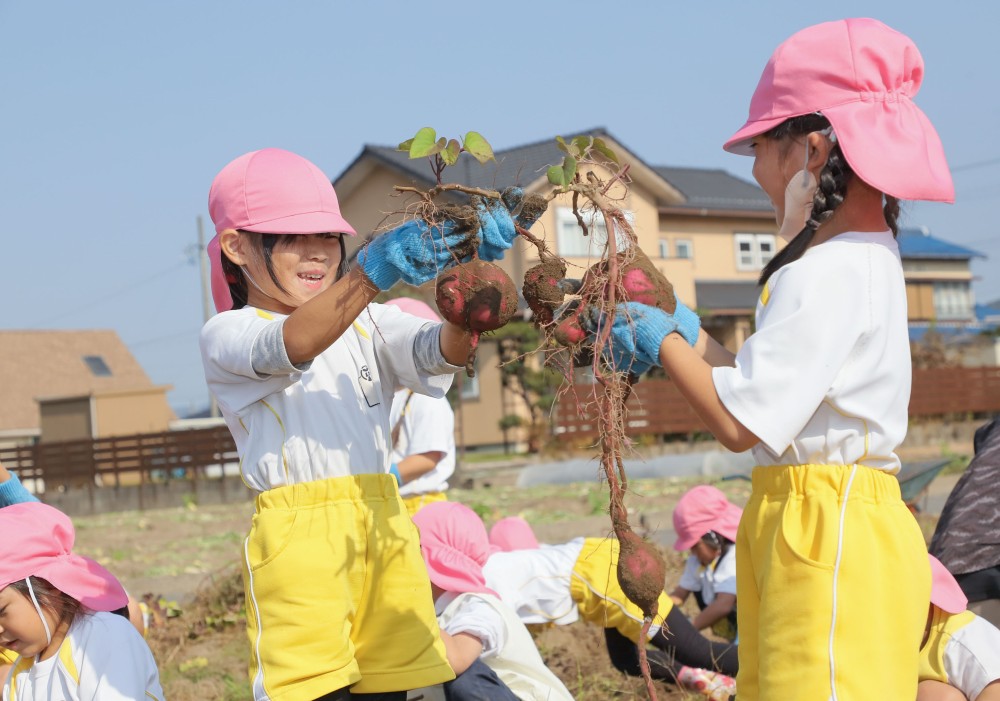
<point x="142" y="281"/>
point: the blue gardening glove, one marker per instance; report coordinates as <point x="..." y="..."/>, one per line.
<point x="394" y="471"/>
<point x="414" y="252"/>
<point x="638" y="332"/>
<point x="497" y="225"/>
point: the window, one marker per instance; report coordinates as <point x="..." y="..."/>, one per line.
<point x="683" y="249"/>
<point x="97" y="365"/>
<point x="952" y="300"/>
<point x="754" y="251"/>
<point x="664" y="248"/>
<point x="470" y="387"/>
<point x="570" y="239"/>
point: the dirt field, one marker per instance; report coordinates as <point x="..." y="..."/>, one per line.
<point x="188" y="559"/>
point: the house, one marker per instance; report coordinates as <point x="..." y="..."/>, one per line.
<point x="65" y="385"/>
<point x="707" y="231"/>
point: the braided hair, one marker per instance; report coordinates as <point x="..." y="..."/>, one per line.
<point x="830" y="193"/>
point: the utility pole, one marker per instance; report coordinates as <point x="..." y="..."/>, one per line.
<point x="206" y="302"/>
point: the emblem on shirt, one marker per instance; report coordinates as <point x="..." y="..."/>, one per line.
<point x="368" y="386"/>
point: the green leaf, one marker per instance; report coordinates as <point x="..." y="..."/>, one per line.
<point x="569" y="168"/>
<point x="479" y="147"/>
<point x="603" y="149"/>
<point x="561" y="143"/>
<point x="450" y="153"/>
<point x="556" y="175"/>
<point x="582" y="143"/>
<point x="405" y="146"/>
<point x="423" y="144"/>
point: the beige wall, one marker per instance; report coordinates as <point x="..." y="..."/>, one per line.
<point x="477" y="420"/>
<point x="920" y="301"/>
<point x="135" y="412"/>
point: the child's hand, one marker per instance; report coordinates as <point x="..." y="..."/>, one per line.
<point x="638" y="331"/>
<point x="499" y="221"/>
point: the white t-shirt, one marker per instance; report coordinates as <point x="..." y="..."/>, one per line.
<point x="972" y="657"/>
<point x="536" y="582"/>
<point x="327" y="418"/>
<point x="717" y="578"/>
<point x="103" y="658"/>
<point x="427" y="425"/>
<point x="826" y="377"/>
<point x="508" y="649"/>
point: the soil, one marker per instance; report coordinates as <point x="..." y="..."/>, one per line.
<point x="644" y="283"/>
<point x="188" y="560"/>
<point x="541" y="289"/>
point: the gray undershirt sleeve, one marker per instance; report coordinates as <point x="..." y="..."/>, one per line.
<point x="269" y="356"/>
<point x="427" y="352"/>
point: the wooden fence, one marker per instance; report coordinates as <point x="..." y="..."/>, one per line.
<point x="657" y="407"/>
<point x="147" y="465"/>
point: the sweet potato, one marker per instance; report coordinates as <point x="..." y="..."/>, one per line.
<point x="541" y="289"/>
<point x="641" y="572"/>
<point x="643" y="283"/>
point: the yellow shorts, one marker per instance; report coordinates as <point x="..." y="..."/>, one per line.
<point x="337" y="593"/>
<point x="598" y="595"/>
<point x="418" y="501"/>
<point x="833" y="586"/>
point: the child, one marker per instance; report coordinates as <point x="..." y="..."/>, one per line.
<point x="706" y="523"/>
<point x="832" y="566"/>
<point x="560" y="584"/>
<point x="55" y="615"/>
<point x="423" y="434"/>
<point x="960" y="651"/>
<point x="475" y="623"/>
<point x="304" y="370"/>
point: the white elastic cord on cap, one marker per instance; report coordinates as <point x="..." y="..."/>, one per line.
<point x="45" y="623"/>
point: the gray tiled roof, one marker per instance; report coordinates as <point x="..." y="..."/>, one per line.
<point x="705" y="188"/>
<point x="702" y="188"/>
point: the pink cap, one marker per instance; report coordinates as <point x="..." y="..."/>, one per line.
<point x="415" y="307"/>
<point x="945" y="592"/>
<point x="455" y="546"/>
<point x="703" y="509"/>
<point x="38" y="541"/>
<point x="862" y="76"/>
<point x="512" y="533"/>
<point x="270" y="191"/>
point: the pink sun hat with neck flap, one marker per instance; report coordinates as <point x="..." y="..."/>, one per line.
<point x="455" y="547"/>
<point x="415" y="307"/>
<point x="946" y="594"/>
<point x="512" y="533"/>
<point x="271" y="191"/>
<point x="862" y="76"/>
<point x="37" y="542"/>
<point x="702" y="509"/>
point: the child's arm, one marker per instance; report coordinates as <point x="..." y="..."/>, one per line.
<point x="679" y="595"/>
<point x="693" y="376"/>
<point x="11" y="489"/>
<point x="413" y="466"/>
<point x="462" y="649"/>
<point x="719" y="608"/>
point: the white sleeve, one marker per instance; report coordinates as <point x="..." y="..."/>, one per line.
<point x="429" y="424"/>
<point x="972" y="657"/>
<point x="816" y="312"/>
<point x="725" y="573"/>
<point x="394" y="333"/>
<point x="691" y="577"/>
<point x="477" y="618"/>
<point x="227" y="346"/>
<point x="114" y="663"/>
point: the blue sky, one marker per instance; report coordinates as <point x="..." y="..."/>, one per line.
<point x="117" y="114"/>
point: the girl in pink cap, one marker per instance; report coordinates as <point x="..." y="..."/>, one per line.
<point x="706" y="523"/>
<point x="423" y="434"/>
<point x="55" y="614"/>
<point x="960" y="653"/>
<point x="492" y="653"/>
<point x="304" y="366"/>
<point x="832" y="574"/>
